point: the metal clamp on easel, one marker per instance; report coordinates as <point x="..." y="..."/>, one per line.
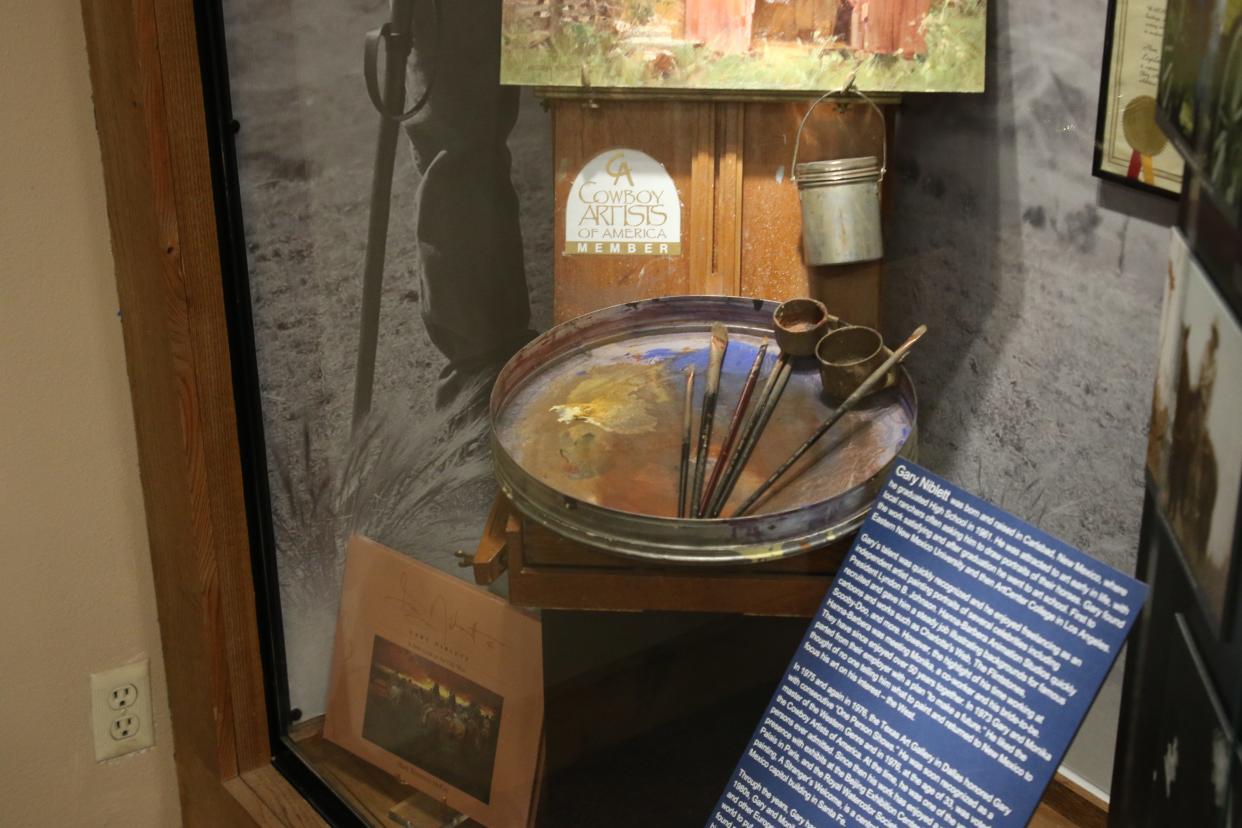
<point x="841" y="198"/>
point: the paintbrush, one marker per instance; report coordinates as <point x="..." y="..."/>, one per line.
<point x="798" y="325"/>
<point x="717" y="503"/>
<point x="683" y="477"/>
<point x="781" y="373"/>
<point x="719" y="344"/>
<point x="735" y="424"/>
<point x="852" y="400"/>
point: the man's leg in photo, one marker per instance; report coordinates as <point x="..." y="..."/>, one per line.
<point x="475" y="303"/>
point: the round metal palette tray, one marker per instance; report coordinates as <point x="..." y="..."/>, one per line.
<point x="586" y="436"/>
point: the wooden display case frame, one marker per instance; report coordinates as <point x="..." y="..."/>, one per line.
<point x="153" y="132"/>
<point x="158" y="134"/>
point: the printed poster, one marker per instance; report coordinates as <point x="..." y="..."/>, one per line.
<point x="439" y="683"/>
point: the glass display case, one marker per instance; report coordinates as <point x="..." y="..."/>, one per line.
<point x="413" y="290"/>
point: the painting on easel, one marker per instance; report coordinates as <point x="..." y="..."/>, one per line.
<point x="753" y="45"/>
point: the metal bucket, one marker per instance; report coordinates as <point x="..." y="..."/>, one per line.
<point x="840" y="204"/>
<point x="840" y="210"/>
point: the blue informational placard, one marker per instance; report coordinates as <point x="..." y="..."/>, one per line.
<point x="944" y="676"/>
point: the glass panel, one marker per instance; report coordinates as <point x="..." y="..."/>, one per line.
<point x="411" y="222"/>
<point x="411" y="474"/>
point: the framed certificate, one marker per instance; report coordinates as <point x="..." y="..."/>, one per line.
<point x="1130" y="147"/>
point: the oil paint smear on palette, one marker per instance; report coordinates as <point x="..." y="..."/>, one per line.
<point x="604" y="426"/>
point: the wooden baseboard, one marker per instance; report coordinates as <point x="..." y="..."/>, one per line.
<point x="1075" y="804"/>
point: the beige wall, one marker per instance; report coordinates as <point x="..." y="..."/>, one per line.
<point x="76" y="594"/>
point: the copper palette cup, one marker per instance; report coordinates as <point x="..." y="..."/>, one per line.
<point x="800" y="324"/>
<point x="847" y="356"/>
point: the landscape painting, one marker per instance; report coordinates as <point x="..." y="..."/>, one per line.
<point x="1183" y="99"/>
<point x="1224" y="136"/>
<point x="752" y="45"/>
<point x="432" y="717"/>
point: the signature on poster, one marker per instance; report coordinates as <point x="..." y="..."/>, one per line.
<point x="434" y="616"/>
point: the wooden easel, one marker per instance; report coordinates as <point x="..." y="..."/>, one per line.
<point x="741" y="218"/>
<point x="741" y="235"/>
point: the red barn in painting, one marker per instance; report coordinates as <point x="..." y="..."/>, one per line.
<point x="889" y="26"/>
<point x="877" y="26"/>
<point x="720" y="24"/>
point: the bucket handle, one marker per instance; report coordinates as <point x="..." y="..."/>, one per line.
<point x="847" y="89"/>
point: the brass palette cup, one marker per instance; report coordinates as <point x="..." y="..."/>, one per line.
<point x="800" y="324"/>
<point x="847" y="356"/>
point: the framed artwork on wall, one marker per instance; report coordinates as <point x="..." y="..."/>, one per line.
<point x="1199" y="95"/>
<point x="1222" y="151"/>
<point x="1194" y="453"/>
<point x="1184" y="85"/>
<point x="1199" y="734"/>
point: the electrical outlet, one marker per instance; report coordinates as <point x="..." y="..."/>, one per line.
<point x="122" y="696"/>
<point x="121" y="710"/>
<point x="124" y="727"/>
